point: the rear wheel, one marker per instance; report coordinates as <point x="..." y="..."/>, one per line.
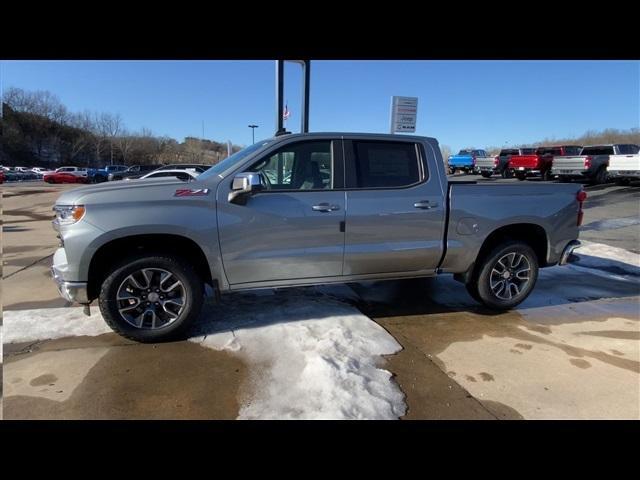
<point x="506" y="173"/>
<point x="452" y="171"/>
<point x="154" y="298"/>
<point x="546" y="175"/>
<point x="601" y="176"/>
<point x="521" y="176"/>
<point x="506" y="276"/>
<point x="486" y="174"/>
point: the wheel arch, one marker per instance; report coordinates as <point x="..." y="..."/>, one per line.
<point x="104" y="259"/>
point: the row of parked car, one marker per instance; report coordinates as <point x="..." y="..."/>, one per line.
<point x="72" y="174"/>
<point x="596" y="164"/>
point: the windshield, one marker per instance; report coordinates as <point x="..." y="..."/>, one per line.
<point x="233" y="159"/>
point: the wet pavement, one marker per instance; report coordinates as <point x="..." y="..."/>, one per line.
<point x="107" y="377"/>
<point x="572" y="350"/>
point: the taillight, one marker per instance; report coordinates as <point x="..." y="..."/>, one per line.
<point x="587" y="164"/>
<point x="496" y="161"/>
<point x="581" y="196"/>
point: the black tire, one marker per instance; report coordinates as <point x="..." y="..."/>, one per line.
<point x="600" y="176"/>
<point x="486" y="174"/>
<point x="452" y="171"/>
<point x="181" y="269"/>
<point x="481" y="279"/>
<point x="472" y="289"/>
<point x="506" y="173"/>
<point x="622" y="181"/>
<point x="546" y="176"/>
<point x="521" y="177"/>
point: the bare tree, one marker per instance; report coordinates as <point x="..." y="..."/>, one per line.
<point x="109" y="127"/>
<point x="125" y="143"/>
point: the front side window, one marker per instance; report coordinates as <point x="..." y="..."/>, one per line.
<point x="385" y="164"/>
<point x="299" y="166"/>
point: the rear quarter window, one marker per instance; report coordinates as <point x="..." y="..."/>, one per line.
<point x="383" y="164"/>
<point x="597" y="151"/>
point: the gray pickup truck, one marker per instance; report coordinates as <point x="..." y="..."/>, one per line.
<point x="499" y="164"/>
<point x="304" y="209"/>
<point x="591" y="164"/>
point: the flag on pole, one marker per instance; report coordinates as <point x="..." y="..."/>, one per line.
<point x="286" y="114"/>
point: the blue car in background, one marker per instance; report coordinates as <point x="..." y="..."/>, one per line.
<point x="95" y="175"/>
<point x="465" y="160"/>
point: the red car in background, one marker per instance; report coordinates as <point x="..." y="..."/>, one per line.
<point x="64" y="177"/>
<point x="1" y="176"/>
<point x="539" y="163"/>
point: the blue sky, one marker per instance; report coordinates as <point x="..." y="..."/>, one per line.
<point x="461" y="103"/>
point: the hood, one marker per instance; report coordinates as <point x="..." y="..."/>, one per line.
<point x="133" y="190"/>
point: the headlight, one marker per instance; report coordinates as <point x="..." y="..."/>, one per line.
<point x="68" y="214"/>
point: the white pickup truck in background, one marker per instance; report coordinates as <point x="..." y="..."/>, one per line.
<point x="624" y="168"/>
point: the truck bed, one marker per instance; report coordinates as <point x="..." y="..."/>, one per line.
<point x="475" y="210"/>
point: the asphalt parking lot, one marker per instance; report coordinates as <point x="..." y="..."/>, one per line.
<point x="414" y="349"/>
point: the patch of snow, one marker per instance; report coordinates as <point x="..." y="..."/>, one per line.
<point x="51" y="323"/>
<point x="313" y="357"/>
<point x="598" y="256"/>
<point x="611" y="223"/>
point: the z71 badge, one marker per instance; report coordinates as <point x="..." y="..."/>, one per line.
<point x="191" y="192"/>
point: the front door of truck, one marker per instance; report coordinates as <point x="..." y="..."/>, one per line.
<point x="293" y="229"/>
<point x="395" y="212"/>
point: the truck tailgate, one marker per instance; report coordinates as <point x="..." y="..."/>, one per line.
<point x="524" y="161"/>
<point x="568" y="164"/>
<point x="485" y="162"/>
<point x="477" y="210"/>
<point x="624" y="162"/>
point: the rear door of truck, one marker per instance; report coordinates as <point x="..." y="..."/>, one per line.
<point x="395" y="206"/>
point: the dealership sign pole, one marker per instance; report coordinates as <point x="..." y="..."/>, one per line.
<point x="404" y="112"/>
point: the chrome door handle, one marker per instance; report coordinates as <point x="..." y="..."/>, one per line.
<point x="325" y="207"/>
<point x="426" y="205"/>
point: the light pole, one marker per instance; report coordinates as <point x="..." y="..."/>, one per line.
<point x="253" y="129"/>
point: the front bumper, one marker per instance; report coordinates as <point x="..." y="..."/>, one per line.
<point x="70" y="291"/>
<point x="568" y="250"/>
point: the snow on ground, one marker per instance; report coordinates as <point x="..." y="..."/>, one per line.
<point x="310" y="356"/>
<point x="51" y="323"/>
<point x="598" y="255"/>
<point x="316" y="357"/>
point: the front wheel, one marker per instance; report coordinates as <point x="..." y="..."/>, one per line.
<point x="506" y="173"/>
<point x="452" y="171"/>
<point x="152" y="298"/>
<point x="506" y="276"/>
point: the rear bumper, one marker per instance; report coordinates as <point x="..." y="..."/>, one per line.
<point x="568" y="250"/>
<point x="570" y="172"/>
<point x="624" y="173"/>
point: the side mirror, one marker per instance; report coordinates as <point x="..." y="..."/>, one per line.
<point x="244" y="184"/>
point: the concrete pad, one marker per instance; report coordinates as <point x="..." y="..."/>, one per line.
<point x="178" y="380"/>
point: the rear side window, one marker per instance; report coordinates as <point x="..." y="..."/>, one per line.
<point x="385" y="165"/>
<point x="572" y="150"/>
<point x="633" y="149"/>
<point x="528" y="151"/>
<point x="510" y="151"/>
<point x="597" y="151"/>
